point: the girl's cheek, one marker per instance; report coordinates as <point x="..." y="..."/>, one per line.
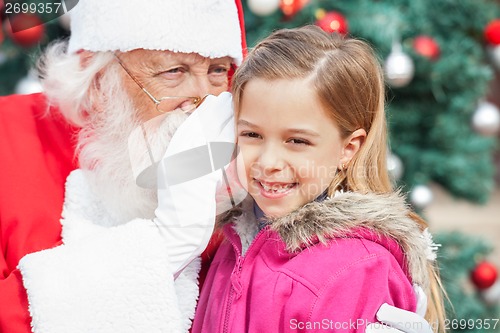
<point x="240" y="170"/>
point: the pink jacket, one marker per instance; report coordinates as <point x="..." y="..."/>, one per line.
<point x="326" y="267"/>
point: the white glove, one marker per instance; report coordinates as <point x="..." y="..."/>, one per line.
<point x="397" y="320"/>
<point x="188" y="176"/>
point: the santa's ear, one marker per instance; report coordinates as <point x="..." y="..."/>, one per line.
<point x="85" y="57"/>
<point x="94" y="88"/>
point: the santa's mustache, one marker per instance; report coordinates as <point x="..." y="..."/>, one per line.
<point x="147" y="144"/>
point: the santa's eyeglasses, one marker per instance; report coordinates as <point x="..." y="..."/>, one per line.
<point x="162" y="104"/>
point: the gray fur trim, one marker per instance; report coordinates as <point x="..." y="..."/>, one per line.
<point x="383" y="214"/>
<point x="246" y="225"/>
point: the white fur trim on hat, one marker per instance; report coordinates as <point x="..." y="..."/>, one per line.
<point x="210" y="28"/>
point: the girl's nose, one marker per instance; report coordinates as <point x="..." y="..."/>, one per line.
<point x="271" y="159"/>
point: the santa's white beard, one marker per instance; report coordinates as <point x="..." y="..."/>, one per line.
<point x="105" y="156"/>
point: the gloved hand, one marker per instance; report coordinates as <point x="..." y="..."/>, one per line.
<point x="397" y="320"/>
<point x="188" y="176"/>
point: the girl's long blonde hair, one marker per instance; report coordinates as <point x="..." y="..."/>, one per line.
<point x="349" y="82"/>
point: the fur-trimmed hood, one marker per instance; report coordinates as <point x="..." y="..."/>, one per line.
<point x="385" y="215"/>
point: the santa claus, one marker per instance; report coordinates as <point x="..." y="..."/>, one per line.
<point x="91" y="239"/>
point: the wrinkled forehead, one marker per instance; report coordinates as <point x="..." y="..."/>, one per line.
<point x="155" y="58"/>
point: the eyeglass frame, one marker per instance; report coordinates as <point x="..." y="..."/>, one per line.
<point x="196" y="100"/>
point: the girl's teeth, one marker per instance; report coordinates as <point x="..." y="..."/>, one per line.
<point x="276" y="188"/>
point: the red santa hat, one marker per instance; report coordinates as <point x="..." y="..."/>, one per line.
<point x="211" y="28"/>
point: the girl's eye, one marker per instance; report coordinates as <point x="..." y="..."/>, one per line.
<point x="299" y="142"/>
<point x="250" y="135"/>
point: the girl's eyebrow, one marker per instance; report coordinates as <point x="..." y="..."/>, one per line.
<point x="242" y="122"/>
<point x="303" y="131"/>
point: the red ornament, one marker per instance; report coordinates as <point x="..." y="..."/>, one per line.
<point x="492" y="32"/>
<point x="292" y="7"/>
<point x="29" y="29"/>
<point x="427" y="47"/>
<point x="484" y="275"/>
<point x="331" y="22"/>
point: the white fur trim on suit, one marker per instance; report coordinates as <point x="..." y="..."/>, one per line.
<point x="210" y="28"/>
<point x="107" y="279"/>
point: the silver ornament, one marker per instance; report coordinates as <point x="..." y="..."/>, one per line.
<point x="263" y="7"/>
<point x="494" y="55"/>
<point x="394" y="167"/>
<point x="65" y="21"/>
<point x="486" y="119"/>
<point x="398" y="67"/>
<point x="421" y="196"/>
<point x="491" y="295"/>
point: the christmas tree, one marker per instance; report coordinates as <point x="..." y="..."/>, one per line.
<point x="438" y="69"/>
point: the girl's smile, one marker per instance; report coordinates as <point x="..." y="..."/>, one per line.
<point x="275" y="190"/>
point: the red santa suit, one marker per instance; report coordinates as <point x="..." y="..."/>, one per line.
<point x="36" y="156"/>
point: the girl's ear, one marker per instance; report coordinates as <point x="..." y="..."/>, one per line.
<point x="352" y="144"/>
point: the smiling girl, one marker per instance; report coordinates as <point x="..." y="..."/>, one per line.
<point x="323" y="240"/>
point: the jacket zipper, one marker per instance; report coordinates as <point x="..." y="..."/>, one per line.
<point x="228" y="310"/>
<point x="239" y="266"/>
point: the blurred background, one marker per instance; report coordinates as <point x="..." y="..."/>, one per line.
<point x="442" y="64"/>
